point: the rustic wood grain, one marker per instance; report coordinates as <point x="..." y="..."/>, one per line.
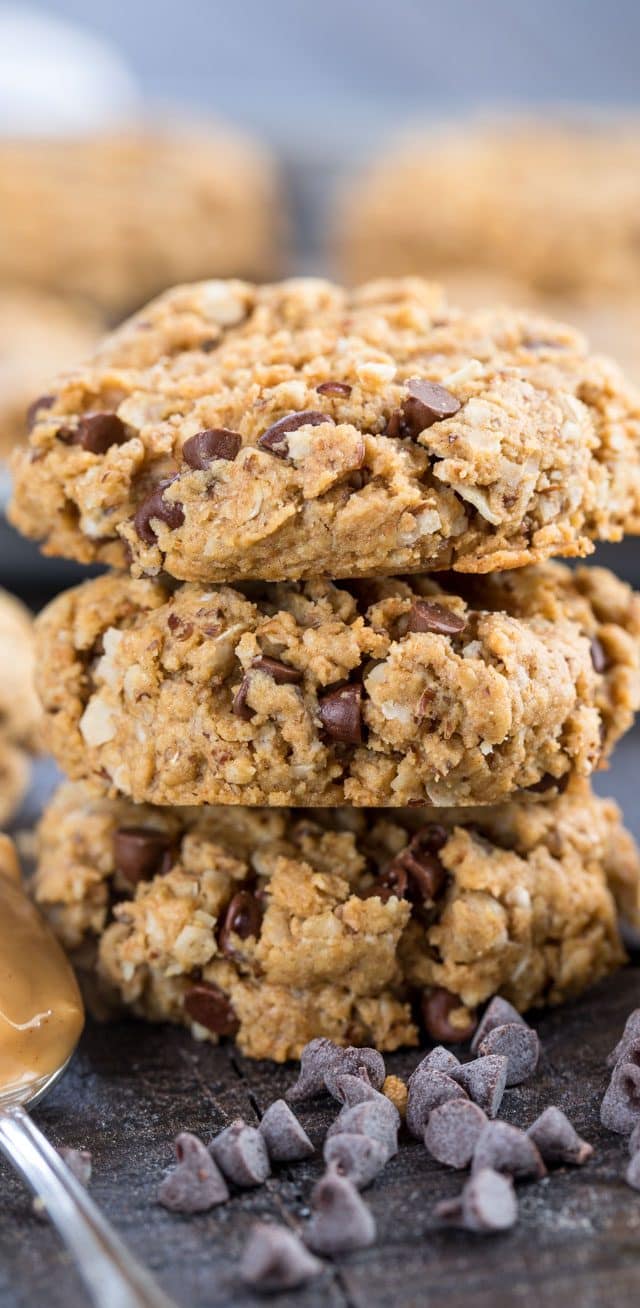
<point x="131" y="1088"/>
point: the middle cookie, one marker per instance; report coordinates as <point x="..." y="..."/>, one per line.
<point x="447" y="691"/>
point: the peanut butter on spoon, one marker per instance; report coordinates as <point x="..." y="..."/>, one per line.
<point x="41" y="1011"/>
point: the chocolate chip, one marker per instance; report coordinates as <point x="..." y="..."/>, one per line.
<point x="416" y="873"/>
<point x="274" y="439"/>
<point x="487" y="1203"/>
<point x="362" y="1062"/>
<point x="484" y="1080"/>
<point x="452" y="1132"/>
<point x="279" y="672"/>
<point x="506" y="1148"/>
<point x="196" y="1184"/>
<point x="377" y="1118"/>
<point x="620" y="1108"/>
<point x="340" y="713"/>
<point x="557" y="1140"/>
<point x="340" y="389"/>
<point x="208" y="1005"/>
<point x="341" y="1221"/>
<point x="437" y="1060"/>
<point x="141" y="853"/>
<point x="275" y="1259"/>
<point x="317" y="1057"/>
<point x="283" y="1134"/>
<point x="350" y="1089"/>
<point x="358" y="1157"/>
<point x="172" y="514"/>
<point x="97" y="432"/>
<point x="499" y="1012"/>
<point x="42" y="402"/>
<point x="549" y="782"/>
<point x="629" y="1036"/>
<point x="79" y="1162"/>
<point x="427" y="403"/>
<point x="632" y="1174"/>
<point x="634" y="1139"/>
<point x="213" y="443"/>
<point x="518" y="1044"/>
<point x="241" y="1153"/>
<point x="243" y="918"/>
<point x="427" y="1091"/>
<point x="599" y="657"/>
<point x="425" y="615"/>
<point x="436" y="1006"/>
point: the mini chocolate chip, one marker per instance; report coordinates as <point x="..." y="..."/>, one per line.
<point x="243" y="918"/>
<point x="634" y="1139"/>
<point x="629" y="1036"/>
<point x="275" y="1259"/>
<point x="42" y="402"/>
<point x="425" y="615"/>
<point x="358" y="1157"/>
<point x="274" y="438"/>
<point x="427" y="403"/>
<point x="196" y="1184"/>
<point x="424" y="874"/>
<point x="140" y="853"/>
<point x="498" y="1012"/>
<point x="427" y="1090"/>
<point x="599" y="656"/>
<point x="484" y="1080"/>
<point x="518" y="1044"/>
<point x="208" y="1005"/>
<point x="284" y="1135"/>
<point x="438" y="1059"/>
<point x="154" y="506"/>
<point x="436" y="1006"/>
<point x="452" y="1132"/>
<point x="279" y="672"/>
<point x="632" y="1174"/>
<point x="487" y="1204"/>
<point x="506" y="1148"/>
<point x="620" y="1108"/>
<point x="317" y="1057"/>
<point x="356" y="1061"/>
<point x="241" y="1153"/>
<point x="340" y="713"/>
<point x="350" y="1090"/>
<point x="377" y="1118"/>
<point x="338" y="388"/>
<point x="557" y="1140"/>
<point x="341" y="1221"/>
<point x="213" y="443"/>
<point x="97" y="432"/>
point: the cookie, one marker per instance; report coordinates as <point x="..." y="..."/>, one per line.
<point x="230" y="432"/>
<point x="516" y="199"/>
<point x="39" y="334"/>
<point x="115" y="218"/>
<point x="459" y="690"/>
<point x="276" y="927"/>
<point x="20" y="712"/>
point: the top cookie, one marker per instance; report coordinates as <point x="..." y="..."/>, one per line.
<point x="230" y="432"/>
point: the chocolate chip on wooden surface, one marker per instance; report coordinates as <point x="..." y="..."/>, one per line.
<point x="341" y="1221"/>
<point x="356" y="1061"/>
<point x="97" y="432"/>
<point x="275" y="1259"/>
<point x="506" y="1148"/>
<point x="452" y="1132"/>
<point x="634" y="1139"/>
<point x="487" y="1204"/>
<point x="632" y="1174"/>
<point x="213" y="443"/>
<point x="438" y="1059"/>
<point x="519" y="1044"/>
<point x="620" y="1108"/>
<point x="208" y="1005"/>
<point x="196" y="1184"/>
<point x="630" y="1035"/>
<point x="243" y="918"/>
<point x="436" y="1005"/>
<point x="350" y="1090"/>
<point x="284" y="1136"/>
<point x="484" y="1080"/>
<point x="427" y="1091"/>
<point x="341" y="390"/>
<point x="358" y="1157"/>
<point x="140" y="853"/>
<point x="557" y="1139"/>
<point x="274" y="439"/>
<point x="241" y="1154"/>
<point x="317" y="1057"/>
<point x="499" y="1012"/>
<point x="155" y="506"/>
<point x="340" y="712"/>
<point x="427" y="616"/>
<point x="378" y="1120"/>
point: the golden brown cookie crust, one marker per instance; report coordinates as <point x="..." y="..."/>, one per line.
<point x="539" y="454"/>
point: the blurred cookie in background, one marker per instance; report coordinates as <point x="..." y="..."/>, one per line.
<point x="20" y="713"/>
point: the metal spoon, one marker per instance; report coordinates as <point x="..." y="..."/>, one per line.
<point x="113" y="1278"/>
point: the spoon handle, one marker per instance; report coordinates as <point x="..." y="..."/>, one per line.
<point x="113" y="1278"/>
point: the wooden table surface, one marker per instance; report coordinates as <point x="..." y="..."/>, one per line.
<point x="131" y="1088"/>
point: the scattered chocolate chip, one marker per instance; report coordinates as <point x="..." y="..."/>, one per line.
<point x="630" y="1034"/>
<point x="350" y="1089"/>
<point x="340" y="713"/>
<point x="375" y="1118"/>
<point x="484" y="1080"/>
<point x="634" y="1139"/>
<point x="284" y="1136"/>
<point x="427" y="1091"/>
<point x="214" y="443"/>
<point x="620" y="1108"/>
<point x="241" y="1153"/>
<point x="599" y="657"/>
<point x="196" y="1184"/>
<point x="436" y="1006"/>
<point x="141" y="853"/>
<point x="425" y="615"/>
<point x="632" y="1174"/>
<point x="154" y="506"/>
<point x="275" y="1259"/>
<point x="358" y="1157"/>
<point x="518" y="1044"/>
<point x="341" y="390"/>
<point x="79" y="1162"/>
<point x="427" y="403"/>
<point x="42" y="402"/>
<point x="452" y="1132"/>
<point x="274" y="439"/>
<point x="499" y="1012"/>
<point x="362" y="1062"/>
<point x="208" y="1005"/>
<point x="506" y="1148"/>
<point x="243" y="918"/>
<point x="316" y="1059"/>
<point x="487" y="1203"/>
<point x="438" y="1059"/>
<point x="341" y="1221"/>
<point x="279" y="672"/>
<point x="557" y="1140"/>
<point x="97" y="432"/>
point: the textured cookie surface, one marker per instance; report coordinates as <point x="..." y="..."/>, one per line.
<point x="381" y="692"/>
<point x="114" y="219"/>
<point x="298" y="430"/>
<point x="277" y="926"/>
<point x="20" y="712"/>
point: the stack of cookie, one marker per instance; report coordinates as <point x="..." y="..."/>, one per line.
<point x="328" y="517"/>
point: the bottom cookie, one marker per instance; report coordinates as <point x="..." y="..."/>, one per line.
<point x="277" y="925"/>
